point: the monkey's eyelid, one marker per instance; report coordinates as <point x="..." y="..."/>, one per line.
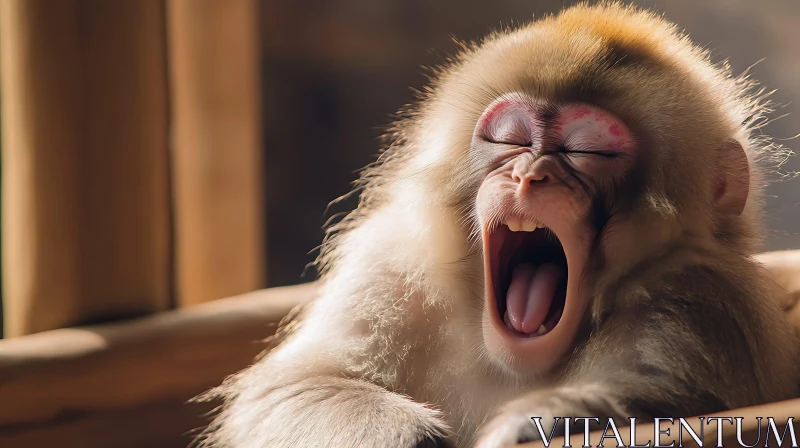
<point x="594" y="152"/>
<point x="506" y="142"/>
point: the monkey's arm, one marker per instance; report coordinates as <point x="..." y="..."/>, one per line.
<point x="674" y="353"/>
<point x="300" y="395"/>
<point x="329" y="411"/>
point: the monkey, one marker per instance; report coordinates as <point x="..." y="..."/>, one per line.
<point x="563" y="225"/>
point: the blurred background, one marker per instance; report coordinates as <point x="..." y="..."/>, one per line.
<point x="159" y="155"/>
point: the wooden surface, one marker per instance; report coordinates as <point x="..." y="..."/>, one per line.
<point x="169" y="424"/>
<point x="85" y="195"/>
<point x="174" y="355"/>
<point x="785" y="269"/>
<point x="215" y="99"/>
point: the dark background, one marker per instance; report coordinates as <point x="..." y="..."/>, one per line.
<point x="335" y="71"/>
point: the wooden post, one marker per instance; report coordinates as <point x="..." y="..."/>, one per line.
<point x="216" y="142"/>
<point x="85" y="191"/>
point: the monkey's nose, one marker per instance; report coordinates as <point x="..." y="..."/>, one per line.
<point x="529" y="178"/>
<point x="526" y="180"/>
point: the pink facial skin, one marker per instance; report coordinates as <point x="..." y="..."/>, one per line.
<point x="512" y="122"/>
<point x="526" y="184"/>
<point x="581" y="127"/>
<point x="577" y="127"/>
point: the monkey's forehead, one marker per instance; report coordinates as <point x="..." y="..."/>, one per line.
<point x="628" y="62"/>
<point x="630" y="34"/>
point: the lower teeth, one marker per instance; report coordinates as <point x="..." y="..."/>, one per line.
<point x="542" y="330"/>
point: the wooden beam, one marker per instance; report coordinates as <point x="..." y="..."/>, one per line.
<point x="172" y="355"/>
<point x="85" y="194"/>
<point x="215" y="92"/>
<point x="170" y="424"/>
<point x="784" y="266"/>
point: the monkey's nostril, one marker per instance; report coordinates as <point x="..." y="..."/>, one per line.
<point x="529" y="178"/>
<point x="527" y="181"/>
<point x="533" y="179"/>
<point x="537" y="180"/>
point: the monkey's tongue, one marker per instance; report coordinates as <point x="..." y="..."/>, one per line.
<point x="530" y="295"/>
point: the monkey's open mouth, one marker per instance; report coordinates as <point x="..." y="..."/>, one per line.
<point x="529" y="278"/>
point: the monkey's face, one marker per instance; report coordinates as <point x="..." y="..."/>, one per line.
<point x="547" y="167"/>
<point x="577" y="156"/>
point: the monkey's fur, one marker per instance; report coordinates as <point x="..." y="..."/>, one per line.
<point x="679" y="323"/>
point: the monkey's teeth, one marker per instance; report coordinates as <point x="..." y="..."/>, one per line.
<point x="513" y="224"/>
<point x="519" y="225"/>
<point x="542" y="330"/>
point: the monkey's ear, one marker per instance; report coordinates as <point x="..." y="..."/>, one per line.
<point x="732" y="179"/>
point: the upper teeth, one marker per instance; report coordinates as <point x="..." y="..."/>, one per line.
<point x="521" y="225"/>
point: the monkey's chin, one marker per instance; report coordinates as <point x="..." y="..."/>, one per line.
<point x="533" y="304"/>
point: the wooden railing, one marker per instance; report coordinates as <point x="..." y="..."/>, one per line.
<point x="127" y="383"/>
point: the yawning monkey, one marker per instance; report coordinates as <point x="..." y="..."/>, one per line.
<point x="562" y="226"/>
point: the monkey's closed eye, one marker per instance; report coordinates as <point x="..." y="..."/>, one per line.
<point x="610" y="154"/>
<point x="509" y="141"/>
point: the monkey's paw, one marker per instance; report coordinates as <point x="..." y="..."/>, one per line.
<point x="513" y="427"/>
<point x="517" y="421"/>
<point x="434" y="442"/>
